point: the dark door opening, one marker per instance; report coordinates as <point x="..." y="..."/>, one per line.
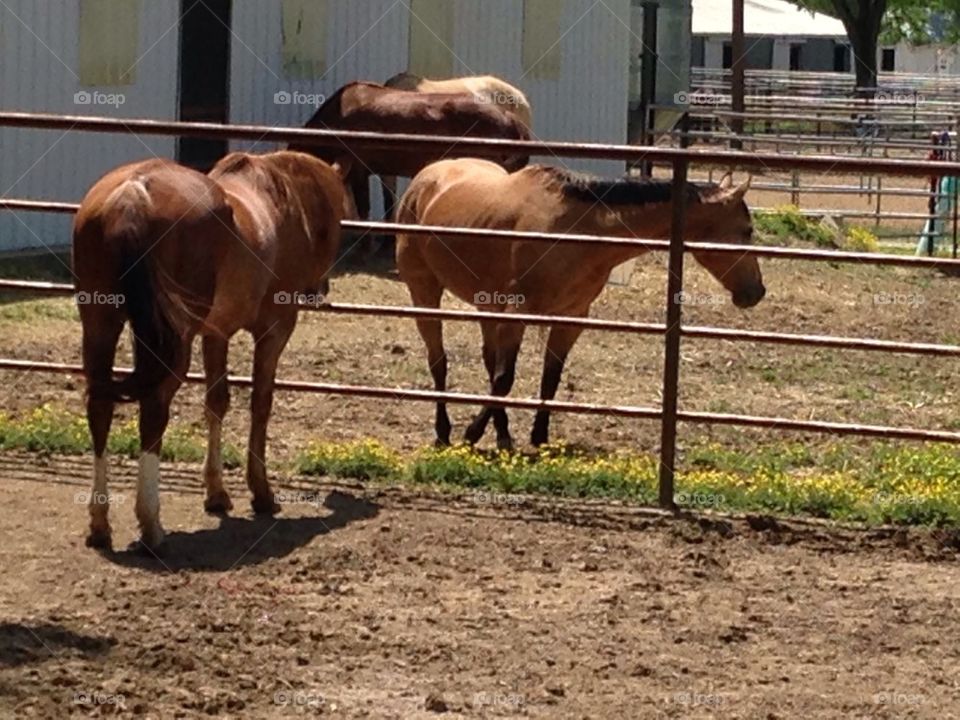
<point x="796" y="56"/>
<point x="204" y="76"/>
<point x="727" y="55"/>
<point x="888" y="60"/>
<point x="841" y="58"/>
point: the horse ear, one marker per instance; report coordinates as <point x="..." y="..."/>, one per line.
<point x="726" y="182"/>
<point x="741" y="190"/>
<point x="727" y="194"/>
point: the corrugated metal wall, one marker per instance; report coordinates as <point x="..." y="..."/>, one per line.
<point x="39" y="48"/>
<point x="39" y="71"/>
<point x="369" y="41"/>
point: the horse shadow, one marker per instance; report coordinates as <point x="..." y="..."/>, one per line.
<point x="24" y="643"/>
<point x="242" y="541"/>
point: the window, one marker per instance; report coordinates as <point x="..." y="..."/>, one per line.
<point x="431" y="38"/>
<point x="796" y="56"/>
<point x="542" y="47"/>
<point x="888" y="60"/>
<point x="304" y="38"/>
<point x="109" y="39"/>
<point x="727" y="55"/>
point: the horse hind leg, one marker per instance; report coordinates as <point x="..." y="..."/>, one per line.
<point x="217" y="402"/>
<point x="509" y="337"/>
<point x="559" y="343"/>
<point x="266" y="357"/>
<point x="102" y="326"/>
<point x="154" y="417"/>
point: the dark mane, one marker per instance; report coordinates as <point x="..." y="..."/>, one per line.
<point x="616" y="191"/>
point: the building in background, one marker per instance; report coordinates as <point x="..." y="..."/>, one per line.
<point x="271" y="63"/>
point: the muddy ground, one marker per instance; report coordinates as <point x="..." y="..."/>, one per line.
<point x="378" y="603"/>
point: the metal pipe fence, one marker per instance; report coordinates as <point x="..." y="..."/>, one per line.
<point x="673" y="331"/>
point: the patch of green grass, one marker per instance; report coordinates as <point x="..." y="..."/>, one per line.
<point x="50" y="430"/>
<point x="887" y="484"/>
<point x="43" y="309"/>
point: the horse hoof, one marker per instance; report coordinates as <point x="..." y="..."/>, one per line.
<point x="505" y="443"/>
<point x="441" y="443"/>
<point x="538" y="439"/>
<point x="100" y="540"/>
<point x="265" y="505"/>
<point x="149" y="544"/>
<point x="218" y="504"/>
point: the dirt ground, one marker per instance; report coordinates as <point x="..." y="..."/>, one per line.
<point x="378" y="603"/>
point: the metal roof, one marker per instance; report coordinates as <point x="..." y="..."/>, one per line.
<point x="775" y="18"/>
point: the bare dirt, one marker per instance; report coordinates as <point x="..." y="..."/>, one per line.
<point x="382" y="603"/>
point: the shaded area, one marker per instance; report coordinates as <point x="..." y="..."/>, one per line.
<point x="239" y="542"/>
<point x="24" y="643"/>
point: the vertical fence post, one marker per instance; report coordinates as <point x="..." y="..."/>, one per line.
<point x="671" y="362"/>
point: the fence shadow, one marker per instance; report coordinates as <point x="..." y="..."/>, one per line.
<point x="239" y="542"/>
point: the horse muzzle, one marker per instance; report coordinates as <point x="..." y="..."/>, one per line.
<point x="749" y="297"/>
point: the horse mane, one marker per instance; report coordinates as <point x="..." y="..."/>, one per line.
<point x="615" y="191"/>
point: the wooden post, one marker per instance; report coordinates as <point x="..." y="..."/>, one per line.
<point x="737" y="86"/>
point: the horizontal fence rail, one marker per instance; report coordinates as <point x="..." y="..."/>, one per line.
<point x="672" y="331"/>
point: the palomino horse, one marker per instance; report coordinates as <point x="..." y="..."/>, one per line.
<point x="487" y="89"/>
<point x="370" y="107"/>
<point x="540" y="278"/>
<point x="185" y="254"/>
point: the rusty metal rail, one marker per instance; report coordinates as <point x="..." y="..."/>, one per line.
<point x="673" y="331"/>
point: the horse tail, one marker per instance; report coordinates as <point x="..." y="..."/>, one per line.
<point x="156" y="340"/>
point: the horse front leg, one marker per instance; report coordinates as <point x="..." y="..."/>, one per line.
<point x="559" y="343"/>
<point x="266" y="356"/>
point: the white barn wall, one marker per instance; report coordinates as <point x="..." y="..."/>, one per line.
<point x="369" y="41"/>
<point x="50" y="165"/>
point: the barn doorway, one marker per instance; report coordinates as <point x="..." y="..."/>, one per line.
<point x="204" y="77"/>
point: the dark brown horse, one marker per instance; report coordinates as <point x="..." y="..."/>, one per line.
<point x="375" y="108"/>
<point x="177" y="253"/>
<point x="546" y="278"/>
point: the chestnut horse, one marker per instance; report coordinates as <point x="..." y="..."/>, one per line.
<point x="186" y="254"/>
<point x="371" y="107"/>
<point x="542" y="278"/>
<point x="487" y="89"/>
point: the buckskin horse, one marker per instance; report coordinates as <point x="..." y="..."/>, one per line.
<point x="370" y="107"/>
<point x="190" y="254"/>
<point x="542" y="278"/>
